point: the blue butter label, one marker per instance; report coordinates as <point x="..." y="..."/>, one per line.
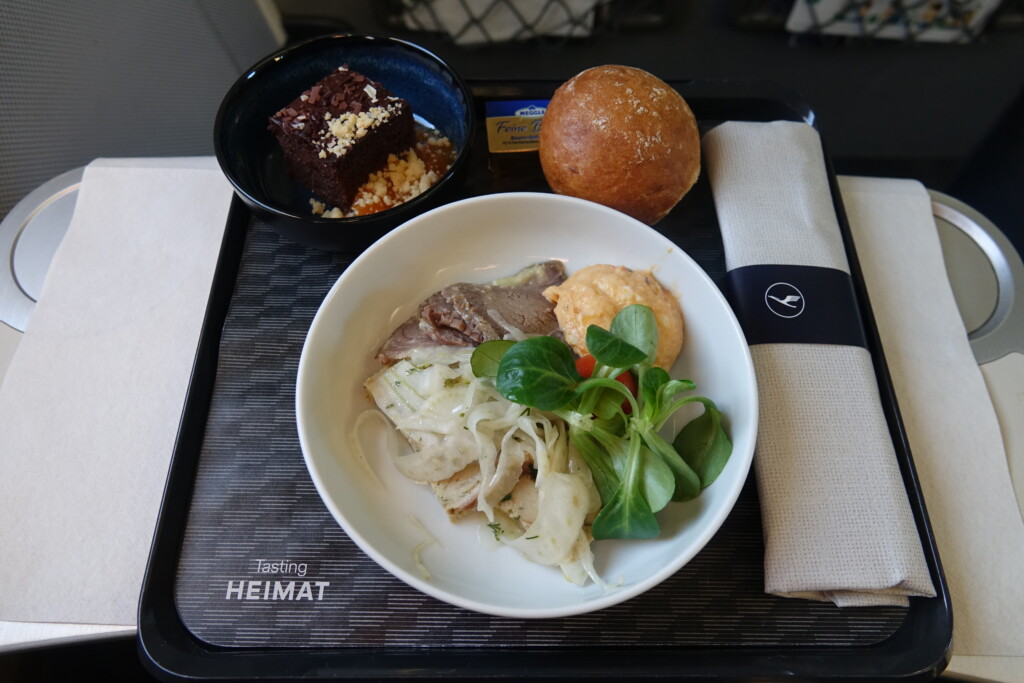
<point x="514" y="125"/>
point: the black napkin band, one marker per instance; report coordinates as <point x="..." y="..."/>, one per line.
<point x="795" y="305"/>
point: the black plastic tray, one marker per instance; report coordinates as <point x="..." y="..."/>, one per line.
<point x="237" y="486"/>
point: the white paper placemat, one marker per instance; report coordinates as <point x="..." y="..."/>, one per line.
<point x="90" y="403"/>
<point x="951" y="425"/>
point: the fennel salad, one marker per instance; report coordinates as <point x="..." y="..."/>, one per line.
<point x="550" y="445"/>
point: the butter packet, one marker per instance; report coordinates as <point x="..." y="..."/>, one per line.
<point x="514" y="125"/>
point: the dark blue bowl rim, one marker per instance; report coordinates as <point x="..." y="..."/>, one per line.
<point x="300" y="47"/>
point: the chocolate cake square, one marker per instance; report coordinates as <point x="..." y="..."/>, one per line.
<point x="339" y="131"/>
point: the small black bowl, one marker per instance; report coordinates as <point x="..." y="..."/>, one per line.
<point x="250" y="157"/>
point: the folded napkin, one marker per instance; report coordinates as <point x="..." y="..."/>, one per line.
<point x="837" y="522"/>
<point x="90" y="404"/>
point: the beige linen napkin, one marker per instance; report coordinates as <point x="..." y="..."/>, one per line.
<point x="950" y="421"/>
<point x="837" y="522"/>
<point x="90" y="404"/>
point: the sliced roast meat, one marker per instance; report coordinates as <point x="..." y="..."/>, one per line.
<point x="416" y="333"/>
<point x="466" y="314"/>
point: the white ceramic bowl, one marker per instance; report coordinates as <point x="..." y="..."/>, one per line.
<point x="478" y="240"/>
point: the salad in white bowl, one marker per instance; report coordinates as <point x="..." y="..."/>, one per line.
<point x="486" y="406"/>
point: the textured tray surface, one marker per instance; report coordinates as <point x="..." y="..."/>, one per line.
<point x="254" y="502"/>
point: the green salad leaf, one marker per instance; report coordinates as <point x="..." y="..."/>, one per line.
<point x="637" y="472"/>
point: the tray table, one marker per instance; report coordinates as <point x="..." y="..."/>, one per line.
<point x="238" y="498"/>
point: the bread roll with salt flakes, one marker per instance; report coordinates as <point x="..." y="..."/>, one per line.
<point x="621" y="137"/>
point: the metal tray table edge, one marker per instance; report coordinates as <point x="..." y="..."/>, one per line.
<point x="918" y="650"/>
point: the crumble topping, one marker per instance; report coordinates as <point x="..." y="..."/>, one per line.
<point x="404" y="177"/>
<point x="346" y="128"/>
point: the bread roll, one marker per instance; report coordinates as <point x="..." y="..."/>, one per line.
<point x="621" y="137"/>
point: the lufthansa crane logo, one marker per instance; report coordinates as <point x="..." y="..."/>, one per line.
<point x="784" y="300"/>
